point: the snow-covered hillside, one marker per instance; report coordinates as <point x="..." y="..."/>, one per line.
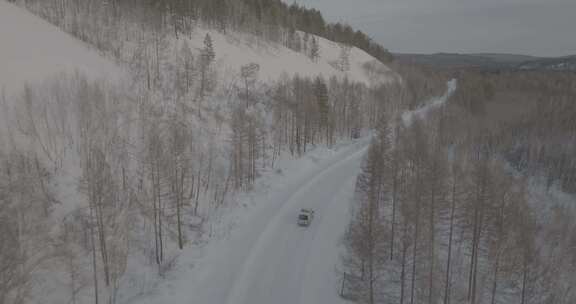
<point x="32" y="50"/>
<point x="234" y="50"/>
<point x="62" y="100"/>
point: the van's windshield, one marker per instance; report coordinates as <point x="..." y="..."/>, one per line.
<point x="303" y="217"/>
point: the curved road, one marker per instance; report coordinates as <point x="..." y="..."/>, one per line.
<point x="286" y="262"/>
<point x="270" y="259"/>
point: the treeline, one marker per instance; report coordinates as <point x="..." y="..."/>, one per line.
<point x="528" y="117"/>
<point x="270" y="19"/>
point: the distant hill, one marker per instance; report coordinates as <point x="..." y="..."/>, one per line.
<point x="567" y="63"/>
<point x="506" y="58"/>
<point x="490" y="61"/>
<point x="455" y="60"/>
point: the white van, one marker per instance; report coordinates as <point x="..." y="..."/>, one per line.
<point x="305" y="217"/>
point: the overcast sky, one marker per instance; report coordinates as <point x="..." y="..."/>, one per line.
<point x="532" y="27"/>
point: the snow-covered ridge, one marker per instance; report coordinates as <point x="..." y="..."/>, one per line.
<point x="33" y="50"/>
<point x="234" y="50"/>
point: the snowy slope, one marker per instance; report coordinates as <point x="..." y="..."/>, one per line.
<point x="236" y="49"/>
<point x="266" y="258"/>
<point x="32" y="50"/>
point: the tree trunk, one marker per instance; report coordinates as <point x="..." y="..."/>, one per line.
<point x="432" y="236"/>
<point x="452" y="213"/>
<point x="394" y="198"/>
<point x="414" y="251"/>
<point x="415" y="240"/>
<point x="94" y="262"/>
<point x="179" y="199"/>
<point x="403" y="271"/>
<point x="495" y="283"/>
<point x="524" y="281"/>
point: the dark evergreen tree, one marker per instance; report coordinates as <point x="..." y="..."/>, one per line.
<point x="314" y="49"/>
<point x="208" y="54"/>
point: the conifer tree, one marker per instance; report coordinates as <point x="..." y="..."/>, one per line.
<point x="344" y="58"/>
<point x="207" y="56"/>
<point x="314" y="49"/>
<point x="321" y="92"/>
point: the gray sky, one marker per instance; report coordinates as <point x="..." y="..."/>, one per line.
<point x="531" y="27"/>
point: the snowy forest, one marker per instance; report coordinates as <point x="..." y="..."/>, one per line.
<point x="472" y="203"/>
<point x="105" y="182"/>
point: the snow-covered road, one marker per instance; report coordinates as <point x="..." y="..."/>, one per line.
<point x="269" y="259"/>
<point x="291" y="264"/>
<point x="288" y="264"/>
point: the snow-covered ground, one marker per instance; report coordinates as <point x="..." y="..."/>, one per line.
<point x="32" y="49"/>
<point x="234" y="50"/>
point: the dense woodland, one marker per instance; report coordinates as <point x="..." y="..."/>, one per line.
<point x="529" y="118"/>
<point x="139" y="178"/>
<point x="463" y="206"/>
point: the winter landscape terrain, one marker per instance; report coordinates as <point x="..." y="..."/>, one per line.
<point x="161" y="151"/>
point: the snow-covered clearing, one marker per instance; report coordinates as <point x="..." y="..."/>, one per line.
<point x="267" y="258"/>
